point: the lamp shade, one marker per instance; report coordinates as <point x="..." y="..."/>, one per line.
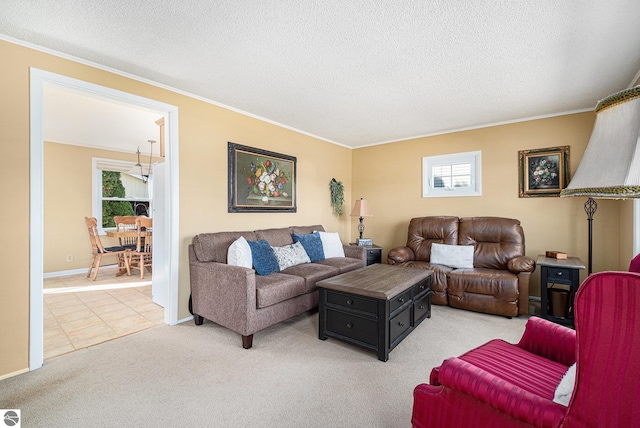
<point x="361" y="209"/>
<point x="610" y="167"/>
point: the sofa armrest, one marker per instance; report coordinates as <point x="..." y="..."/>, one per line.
<point x="224" y="294"/>
<point x="549" y="340"/>
<point x="521" y="264"/>
<point x="400" y="255"/>
<point x="499" y="394"/>
<point x="356" y="252"/>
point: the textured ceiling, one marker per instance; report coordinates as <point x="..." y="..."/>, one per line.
<point x="356" y="72"/>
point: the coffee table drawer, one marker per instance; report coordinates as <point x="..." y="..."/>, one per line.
<point x="399" y="324"/>
<point x="421" y="287"/>
<point x="352" y="326"/>
<point x="352" y="302"/>
<point x="399" y="300"/>
<point x="422" y="309"/>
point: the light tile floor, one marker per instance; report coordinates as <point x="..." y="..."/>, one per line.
<point x="79" y="312"/>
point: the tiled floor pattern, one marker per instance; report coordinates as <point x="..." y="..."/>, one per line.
<point x="79" y="312"/>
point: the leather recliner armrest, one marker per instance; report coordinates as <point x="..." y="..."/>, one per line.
<point x="521" y="264"/>
<point x="400" y="255"/>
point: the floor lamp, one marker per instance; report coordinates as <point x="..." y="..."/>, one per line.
<point x="610" y="166"/>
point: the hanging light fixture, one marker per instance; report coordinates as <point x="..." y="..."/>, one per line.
<point x="610" y="166"/>
<point x="145" y="177"/>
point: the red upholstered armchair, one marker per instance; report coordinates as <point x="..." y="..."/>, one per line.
<point x="503" y="385"/>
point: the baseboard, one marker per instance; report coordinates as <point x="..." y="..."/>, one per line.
<point x="16" y="373"/>
<point x="73" y="272"/>
<point x="189" y="318"/>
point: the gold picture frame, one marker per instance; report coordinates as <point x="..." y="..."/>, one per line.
<point x="543" y="172"/>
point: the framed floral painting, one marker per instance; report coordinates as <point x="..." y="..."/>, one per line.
<point x="543" y="172"/>
<point x="260" y="180"/>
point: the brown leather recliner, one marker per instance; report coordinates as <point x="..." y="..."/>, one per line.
<point x="497" y="284"/>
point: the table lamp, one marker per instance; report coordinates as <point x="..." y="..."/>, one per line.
<point x="361" y="209"/>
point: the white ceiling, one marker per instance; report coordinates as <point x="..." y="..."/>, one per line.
<point x="356" y="72"/>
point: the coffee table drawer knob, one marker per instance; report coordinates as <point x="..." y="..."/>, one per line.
<point x="401" y="300"/>
<point x="421" y="306"/>
<point x="349" y="325"/>
<point x="401" y="324"/>
<point x="349" y="302"/>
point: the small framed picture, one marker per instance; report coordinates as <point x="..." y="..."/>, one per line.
<point x="543" y="172"/>
<point x="260" y="180"/>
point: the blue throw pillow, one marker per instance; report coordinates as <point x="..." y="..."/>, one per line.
<point x="264" y="260"/>
<point x="312" y="245"/>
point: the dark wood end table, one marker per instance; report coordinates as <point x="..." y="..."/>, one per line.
<point x="558" y="271"/>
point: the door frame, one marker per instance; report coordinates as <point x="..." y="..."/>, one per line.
<point x="38" y="79"/>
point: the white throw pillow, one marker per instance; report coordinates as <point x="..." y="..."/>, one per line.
<point x="455" y="256"/>
<point x="331" y="244"/>
<point x="565" y="387"/>
<point x="291" y="255"/>
<point x="239" y="253"/>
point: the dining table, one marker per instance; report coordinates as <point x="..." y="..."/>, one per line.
<point x="113" y="233"/>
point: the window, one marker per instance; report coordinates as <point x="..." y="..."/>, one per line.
<point x="456" y="174"/>
<point x="118" y="190"/>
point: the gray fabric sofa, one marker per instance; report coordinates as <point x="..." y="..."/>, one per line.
<point x="245" y="302"/>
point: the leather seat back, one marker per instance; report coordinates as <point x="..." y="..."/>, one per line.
<point x="496" y="240"/>
<point x="424" y="231"/>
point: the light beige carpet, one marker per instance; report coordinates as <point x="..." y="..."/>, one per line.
<point x="189" y="375"/>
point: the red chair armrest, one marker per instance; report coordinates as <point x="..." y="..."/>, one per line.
<point x="549" y="340"/>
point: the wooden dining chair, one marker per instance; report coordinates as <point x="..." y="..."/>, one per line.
<point x="98" y="250"/>
<point x="142" y="256"/>
<point x="126" y="223"/>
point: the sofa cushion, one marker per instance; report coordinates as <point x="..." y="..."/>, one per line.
<point x="455" y="256"/>
<point x="344" y="264"/>
<point x="526" y="370"/>
<point x="213" y="247"/>
<point x="312" y="273"/>
<point x="331" y="244"/>
<point x="484" y="290"/>
<point x="290" y="255"/>
<point x="264" y="260"/>
<point x="275" y="237"/>
<point x="303" y="230"/>
<point x="276" y="288"/>
<point x="312" y="245"/>
<point x="239" y="253"/>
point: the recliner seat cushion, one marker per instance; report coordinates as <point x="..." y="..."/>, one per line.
<point x="484" y="290"/>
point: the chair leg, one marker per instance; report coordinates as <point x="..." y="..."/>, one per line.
<point x="126" y="264"/>
<point x="93" y="259"/>
<point x="95" y="275"/>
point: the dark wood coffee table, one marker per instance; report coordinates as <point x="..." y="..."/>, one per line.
<point x="375" y="307"/>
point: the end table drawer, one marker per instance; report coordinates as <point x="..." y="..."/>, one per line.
<point x="561" y="273"/>
<point x="353" y="327"/>
<point x="352" y="302"/>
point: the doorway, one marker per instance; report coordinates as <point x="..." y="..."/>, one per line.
<point x="166" y="274"/>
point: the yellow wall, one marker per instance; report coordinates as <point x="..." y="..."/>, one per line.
<point x="389" y="176"/>
<point x="67" y="200"/>
<point x="204" y="131"/>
